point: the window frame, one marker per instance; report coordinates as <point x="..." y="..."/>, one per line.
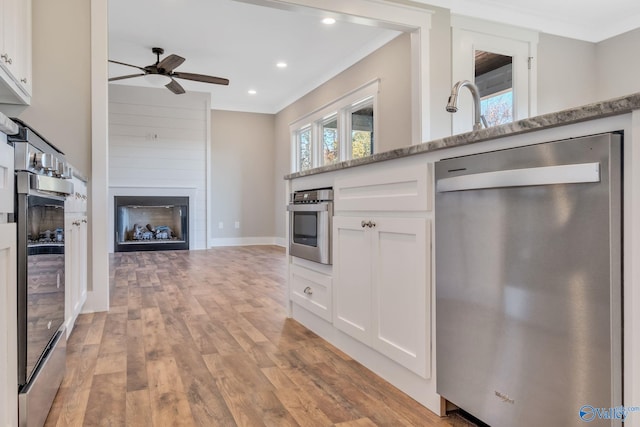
<point x="341" y="109"/>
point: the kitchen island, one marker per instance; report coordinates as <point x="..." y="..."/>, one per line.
<point x="377" y="299"/>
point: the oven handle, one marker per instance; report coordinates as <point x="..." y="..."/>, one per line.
<point x="41" y="185"/>
<point x="309" y="207"/>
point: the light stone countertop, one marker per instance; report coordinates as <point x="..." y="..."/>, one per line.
<point x="611" y="107"/>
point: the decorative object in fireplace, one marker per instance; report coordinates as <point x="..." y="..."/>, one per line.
<point x="151" y="223"/>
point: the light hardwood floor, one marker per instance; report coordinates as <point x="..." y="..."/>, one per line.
<point x="201" y="338"/>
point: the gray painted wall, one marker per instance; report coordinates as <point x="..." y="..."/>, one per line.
<point x="567" y="75"/>
<point x="242" y="168"/>
<point x="573" y="72"/>
<point x="618" y="65"/>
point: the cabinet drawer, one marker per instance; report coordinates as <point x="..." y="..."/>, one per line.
<point x="6" y="178"/>
<point x="396" y="186"/>
<point x="311" y="290"/>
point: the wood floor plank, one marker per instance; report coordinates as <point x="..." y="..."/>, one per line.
<point x="303" y="408"/>
<point x="201" y="338"/>
<point x="106" y="406"/>
<point x="169" y="405"/>
<point x="138" y="409"/>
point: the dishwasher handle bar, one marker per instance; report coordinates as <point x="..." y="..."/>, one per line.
<point x="545" y="175"/>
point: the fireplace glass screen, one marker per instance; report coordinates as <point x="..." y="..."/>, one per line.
<point x="151" y="223"/>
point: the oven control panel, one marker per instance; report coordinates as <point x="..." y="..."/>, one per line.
<point x="312" y="196"/>
<point x="36" y="155"/>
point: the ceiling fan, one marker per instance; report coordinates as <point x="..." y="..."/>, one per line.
<point x="165" y="69"/>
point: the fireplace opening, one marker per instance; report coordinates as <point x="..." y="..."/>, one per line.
<point x="151" y="223"/>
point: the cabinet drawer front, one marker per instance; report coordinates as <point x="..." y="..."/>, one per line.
<point x="6" y="178"/>
<point x="311" y="290"/>
<point x="389" y="187"/>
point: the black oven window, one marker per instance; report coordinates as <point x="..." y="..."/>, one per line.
<point x="305" y="228"/>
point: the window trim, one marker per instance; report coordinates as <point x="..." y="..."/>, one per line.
<point x="341" y="108"/>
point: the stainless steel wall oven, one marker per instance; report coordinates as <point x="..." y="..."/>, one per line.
<point x="310" y="217"/>
<point x="41" y="186"/>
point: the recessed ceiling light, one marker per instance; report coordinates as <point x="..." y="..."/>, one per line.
<point x="328" y="21"/>
<point x="251" y="92"/>
<point x="281" y="64"/>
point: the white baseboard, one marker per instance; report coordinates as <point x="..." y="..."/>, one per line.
<point x="246" y="241"/>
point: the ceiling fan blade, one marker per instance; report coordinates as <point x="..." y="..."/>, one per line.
<point x="201" y="78"/>
<point x="175" y="87"/>
<point x="170" y="62"/>
<point x="128" y="65"/>
<point x="112" y="79"/>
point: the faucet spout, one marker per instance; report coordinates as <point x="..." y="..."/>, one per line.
<point x="452" y="105"/>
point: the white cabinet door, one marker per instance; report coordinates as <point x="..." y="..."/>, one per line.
<point x="15" y="51"/>
<point x="352" y="278"/>
<point x="401" y="263"/>
<point x="382" y="294"/>
<point x="8" y="327"/>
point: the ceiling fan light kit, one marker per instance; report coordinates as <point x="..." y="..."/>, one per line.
<point x="157" y="80"/>
<point x="161" y="73"/>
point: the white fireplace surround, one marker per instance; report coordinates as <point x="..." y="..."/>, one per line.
<point x="189" y="192"/>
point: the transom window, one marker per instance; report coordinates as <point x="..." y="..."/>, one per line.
<point x="340" y="131"/>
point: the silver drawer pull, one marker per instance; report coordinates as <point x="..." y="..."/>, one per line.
<point x="308" y="291"/>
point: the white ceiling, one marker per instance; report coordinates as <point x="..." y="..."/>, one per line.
<point x="243" y="42"/>
<point x="588" y="20"/>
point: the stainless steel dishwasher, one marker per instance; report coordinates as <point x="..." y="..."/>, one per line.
<point x="529" y="281"/>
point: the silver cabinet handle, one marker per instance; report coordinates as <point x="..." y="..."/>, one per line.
<point x="545" y="175"/>
<point x="369" y="224"/>
<point x="24" y="80"/>
<point x="308" y="291"/>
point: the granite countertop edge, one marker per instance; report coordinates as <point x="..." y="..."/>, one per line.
<point x="597" y="110"/>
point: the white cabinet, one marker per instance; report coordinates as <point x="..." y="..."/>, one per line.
<point x="382" y="260"/>
<point x="15" y="51"/>
<point x="76" y="246"/>
<point x="382" y="287"/>
<point x="8" y="327"/>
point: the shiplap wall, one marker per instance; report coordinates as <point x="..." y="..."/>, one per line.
<point x="159" y="140"/>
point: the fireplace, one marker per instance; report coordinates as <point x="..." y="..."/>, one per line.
<point x="151" y="223"/>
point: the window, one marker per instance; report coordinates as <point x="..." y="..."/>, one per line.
<point x="340" y="131"/>
<point x="330" y="140"/>
<point x="304" y="142"/>
<point x="497" y="108"/>
<point x="362" y="129"/>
